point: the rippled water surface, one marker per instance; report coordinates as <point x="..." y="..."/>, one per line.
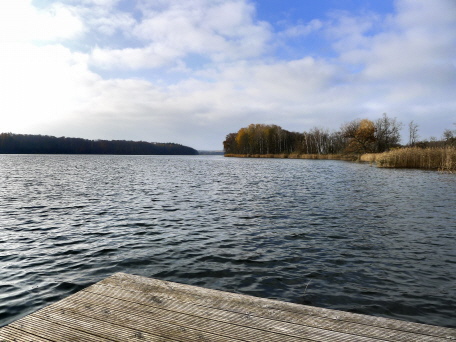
<point x="325" y="233"/>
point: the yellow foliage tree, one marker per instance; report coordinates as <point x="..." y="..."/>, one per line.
<point x="361" y="135"/>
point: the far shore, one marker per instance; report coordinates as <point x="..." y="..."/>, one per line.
<point x="297" y="156"/>
<point x="441" y="159"/>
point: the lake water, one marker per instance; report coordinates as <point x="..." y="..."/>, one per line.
<point x="330" y="234"/>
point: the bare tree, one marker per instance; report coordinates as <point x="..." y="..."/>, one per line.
<point x="413" y="133"/>
<point x="387" y="133"/>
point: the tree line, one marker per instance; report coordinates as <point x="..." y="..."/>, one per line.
<point x="43" y="144"/>
<point x="355" y="137"/>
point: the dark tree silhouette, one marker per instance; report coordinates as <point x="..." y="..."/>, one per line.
<point x="43" y="144"/>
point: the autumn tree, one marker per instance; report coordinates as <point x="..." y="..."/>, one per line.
<point x="272" y="139"/>
<point x="360" y="135"/>
<point x="229" y="145"/>
<point x="243" y="141"/>
<point x="357" y="136"/>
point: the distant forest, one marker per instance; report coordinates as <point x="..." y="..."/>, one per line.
<point x="42" y="144"/>
<point x="355" y="137"/>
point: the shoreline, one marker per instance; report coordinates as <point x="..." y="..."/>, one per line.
<point x="437" y="159"/>
<point x="296" y="156"/>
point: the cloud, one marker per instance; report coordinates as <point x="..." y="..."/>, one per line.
<point x="414" y="45"/>
<point x="109" y="24"/>
<point x="187" y="73"/>
<point x="218" y="30"/>
<point x="41" y="85"/>
<point x="134" y="58"/>
<point x="302" y="29"/>
<point x="19" y="21"/>
<point x="405" y="61"/>
<point x="194" y="109"/>
<point x="99" y="3"/>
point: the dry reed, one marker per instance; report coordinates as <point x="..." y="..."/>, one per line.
<point x="443" y="159"/>
<point x="369" y="157"/>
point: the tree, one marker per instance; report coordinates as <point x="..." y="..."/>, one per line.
<point x="413" y="133"/>
<point x="29" y="144"/>
<point x="242" y="141"/>
<point x="387" y="133"/>
<point x="449" y="137"/>
<point x="229" y="145"/>
<point x="360" y="135"/>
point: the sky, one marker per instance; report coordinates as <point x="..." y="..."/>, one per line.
<point x="192" y="71"/>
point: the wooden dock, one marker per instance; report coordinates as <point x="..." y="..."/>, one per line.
<point x="125" y="307"/>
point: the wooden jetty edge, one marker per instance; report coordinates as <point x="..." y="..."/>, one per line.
<point x="126" y="307"/>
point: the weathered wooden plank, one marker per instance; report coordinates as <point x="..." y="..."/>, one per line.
<point x="190" y="320"/>
<point x="162" y="307"/>
<point x="93" y="328"/>
<point x="264" y="307"/>
<point x="10" y="334"/>
<point x="120" y="326"/>
<point x="131" y="308"/>
<point x="51" y="331"/>
<point x="296" y="328"/>
<point x="129" y="315"/>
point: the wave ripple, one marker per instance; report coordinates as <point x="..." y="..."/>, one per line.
<point x="325" y="233"/>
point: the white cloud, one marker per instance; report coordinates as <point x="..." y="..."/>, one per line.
<point x="218" y="30"/>
<point x="302" y="29"/>
<point x="134" y="58"/>
<point x="402" y="64"/>
<point x="406" y="61"/>
<point x="19" y="21"/>
<point x="100" y="3"/>
<point x="111" y="23"/>
<point x="41" y="84"/>
<point x="418" y="44"/>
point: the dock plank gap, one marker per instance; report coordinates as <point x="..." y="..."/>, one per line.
<point x="125" y="307"/>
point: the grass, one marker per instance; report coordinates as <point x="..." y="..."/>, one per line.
<point x="438" y="158"/>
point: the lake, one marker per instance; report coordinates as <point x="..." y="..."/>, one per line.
<point x="331" y="234"/>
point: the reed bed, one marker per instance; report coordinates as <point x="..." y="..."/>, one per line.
<point x="369" y="157"/>
<point x="296" y="156"/>
<point x="442" y="159"/>
<point x="432" y="158"/>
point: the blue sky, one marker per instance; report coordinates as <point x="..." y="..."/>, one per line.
<point x="193" y="71"/>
